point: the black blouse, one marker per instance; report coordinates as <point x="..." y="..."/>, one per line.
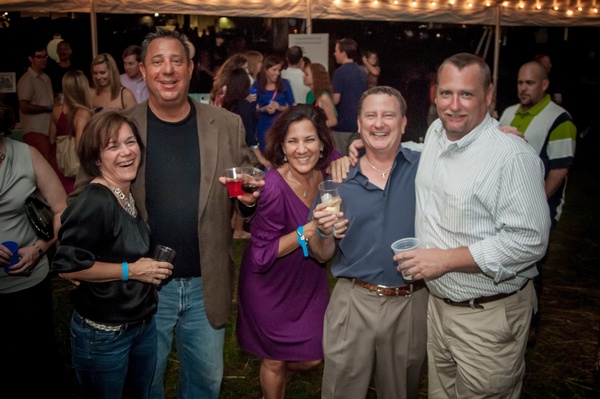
<point x="95" y="227"/>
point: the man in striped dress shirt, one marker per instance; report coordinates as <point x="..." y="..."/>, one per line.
<point x="550" y="130"/>
<point x="483" y="220"/>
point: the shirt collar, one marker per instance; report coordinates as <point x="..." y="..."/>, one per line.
<point x="537" y="108"/>
<point x="403" y="153"/>
<point x="468" y="138"/>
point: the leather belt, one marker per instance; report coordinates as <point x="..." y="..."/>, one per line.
<point x="384" y="290"/>
<point x="475" y="303"/>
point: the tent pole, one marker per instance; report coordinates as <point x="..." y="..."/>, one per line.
<point x="496" y="52"/>
<point x="93" y="27"/>
<point x="308" y="16"/>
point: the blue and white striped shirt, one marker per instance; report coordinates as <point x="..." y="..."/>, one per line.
<point x="486" y="192"/>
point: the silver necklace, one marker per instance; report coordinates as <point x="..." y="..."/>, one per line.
<point x="383" y="172"/>
<point x="128" y="202"/>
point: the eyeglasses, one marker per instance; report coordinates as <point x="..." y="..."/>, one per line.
<point x="41" y="56"/>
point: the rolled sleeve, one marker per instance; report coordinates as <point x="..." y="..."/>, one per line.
<point x="522" y="221"/>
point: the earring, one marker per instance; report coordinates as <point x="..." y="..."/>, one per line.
<point x="321" y="154"/>
<point x="285" y="158"/>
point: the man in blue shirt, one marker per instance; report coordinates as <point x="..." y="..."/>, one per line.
<point x="349" y="83"/>
<point x="374" y="314"/>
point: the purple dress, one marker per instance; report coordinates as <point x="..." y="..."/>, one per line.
<point x="281" y="301"/>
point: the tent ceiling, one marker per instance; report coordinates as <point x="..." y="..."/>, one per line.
<point x="381" y="10"/>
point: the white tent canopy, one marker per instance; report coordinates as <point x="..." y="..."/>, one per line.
<point x="476" y="12"/>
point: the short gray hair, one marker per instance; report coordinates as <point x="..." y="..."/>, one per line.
<point x="390" y="91"/>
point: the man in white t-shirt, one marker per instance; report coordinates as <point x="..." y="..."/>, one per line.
<point x="295" y="75"/>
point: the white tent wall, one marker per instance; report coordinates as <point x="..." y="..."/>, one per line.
<point x="381" y="10"/>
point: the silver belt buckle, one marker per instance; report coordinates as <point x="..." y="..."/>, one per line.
<point x="397" y="289"/>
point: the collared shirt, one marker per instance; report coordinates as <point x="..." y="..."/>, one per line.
<point x="137" y="86"/>
<point x="485" y="192"/>
<point x="549" y="129"/>
<point x="37" y="89"/>
<point x="350" y="82"/>
<point x="376" y="218"/>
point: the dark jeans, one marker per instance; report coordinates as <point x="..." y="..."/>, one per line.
<point x="29" y="360"/>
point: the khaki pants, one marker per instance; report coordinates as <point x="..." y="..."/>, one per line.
<point x="369" y="336"/>
<point x="479" y="353"/>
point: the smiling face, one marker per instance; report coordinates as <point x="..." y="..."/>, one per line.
<point x="101" y="75"/>
<point x="120" y="159"/>
<point x="273" y="73"/>
<point x="167" y="72"/>
<point x="302" y="146"/>
<point x="381" y="123"/>
<point x="132" y="67"/>
<point x="461" y="100"/>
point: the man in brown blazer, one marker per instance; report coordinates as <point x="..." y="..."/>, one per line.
<point x="186" y="148"/>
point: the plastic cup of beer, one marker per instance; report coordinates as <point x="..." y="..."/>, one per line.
<point x="403" y="245"/>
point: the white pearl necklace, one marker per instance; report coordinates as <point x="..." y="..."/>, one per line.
<point x="129" y="203"/>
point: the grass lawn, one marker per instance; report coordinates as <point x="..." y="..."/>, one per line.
<point x="559" y="366"/>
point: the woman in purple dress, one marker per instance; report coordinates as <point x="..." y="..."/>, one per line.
<point x="283" y="292"/>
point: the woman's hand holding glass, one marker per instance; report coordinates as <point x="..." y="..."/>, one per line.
<point x="148" y="270"/>
<point x="329" y="223"/>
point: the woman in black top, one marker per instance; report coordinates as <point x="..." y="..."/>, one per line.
<point x="103" y="242"/>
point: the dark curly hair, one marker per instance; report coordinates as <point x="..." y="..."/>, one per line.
<point x="276" y="135"/>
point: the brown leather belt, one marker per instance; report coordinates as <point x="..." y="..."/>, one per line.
<point x="475" y="303"/>
<point x="384" y="290"/>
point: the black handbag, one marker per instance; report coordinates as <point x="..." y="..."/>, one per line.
<point x="40" y="216"/>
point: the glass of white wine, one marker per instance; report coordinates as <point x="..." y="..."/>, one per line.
<point x="330" y="195"/>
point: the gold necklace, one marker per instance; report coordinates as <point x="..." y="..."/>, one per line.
<point x="383" y="172"/>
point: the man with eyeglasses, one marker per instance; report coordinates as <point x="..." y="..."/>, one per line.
<point x="36" y="98"/>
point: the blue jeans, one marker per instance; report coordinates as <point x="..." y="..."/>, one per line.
<point x="199" y="345"/>
<point x="113" y="364"/>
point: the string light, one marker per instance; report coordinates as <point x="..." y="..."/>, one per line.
<point x="520" y="4"/>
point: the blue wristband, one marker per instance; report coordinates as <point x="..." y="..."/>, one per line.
<point x="321" y="234"/>
<point x="302" y="241"/>
<point x="125" y="266"/>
